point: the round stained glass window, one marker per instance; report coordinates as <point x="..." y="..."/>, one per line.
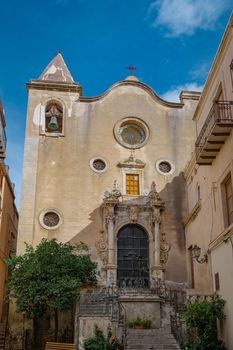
<point x="132" y="134"/>
<point x="165" y="167"/>
<point x="50" y="219"/>
<point x="99" y="164"/>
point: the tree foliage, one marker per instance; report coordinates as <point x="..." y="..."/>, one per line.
<point x="201" y="317"/>
<point x="49" y="277"/>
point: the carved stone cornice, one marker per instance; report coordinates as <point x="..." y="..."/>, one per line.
<point x="132" y="162"/>
<point x="191" y="216"/>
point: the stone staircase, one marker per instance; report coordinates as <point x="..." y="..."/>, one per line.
<point x="2" y="335"/>
<point x="151" y="339"/>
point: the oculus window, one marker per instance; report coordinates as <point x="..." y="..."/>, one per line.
<point x="50" y="219"/>
<point x="98" y="165"/>
<point x="131" y="132"/>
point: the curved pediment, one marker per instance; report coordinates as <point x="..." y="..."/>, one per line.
<point x="133" y="81"/>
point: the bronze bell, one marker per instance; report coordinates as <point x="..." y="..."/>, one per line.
<point x="53" y="124"/>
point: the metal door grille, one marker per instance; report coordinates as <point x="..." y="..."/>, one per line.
<point x="132" y="258"/>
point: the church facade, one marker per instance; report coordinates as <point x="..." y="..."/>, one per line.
<point x="104" y="169"/>
<point x="109" y="171"/>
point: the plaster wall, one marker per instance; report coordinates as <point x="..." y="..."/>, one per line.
<point x="222" y="263"/>
<point x="8" y="234"/>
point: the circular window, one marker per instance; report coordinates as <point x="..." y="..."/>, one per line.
<point x="50" y="219"/>
<point x="131" y="132"/>
<point x="98" y="164"/>
<point x="164" y="167"/>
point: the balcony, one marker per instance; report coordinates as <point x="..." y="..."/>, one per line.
<point x="214" y="132"/>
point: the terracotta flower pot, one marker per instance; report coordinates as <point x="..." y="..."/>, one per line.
<point x="138" y="326"/>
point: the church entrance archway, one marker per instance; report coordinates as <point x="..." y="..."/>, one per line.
<point x="132" y="257"/>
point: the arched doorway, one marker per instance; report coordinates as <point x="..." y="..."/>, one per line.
<point x="132" y="257"/>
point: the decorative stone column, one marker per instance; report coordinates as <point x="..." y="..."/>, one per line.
<point x="109" y="202"/>
<point x="157" y="205"/>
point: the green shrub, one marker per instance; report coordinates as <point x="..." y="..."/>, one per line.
<point x="139" y="322"/>
<point x="100" y="342"/>
<point x="201" y="318"/>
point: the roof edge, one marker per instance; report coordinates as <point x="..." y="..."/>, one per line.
<point x="51" y="85"/>
<point x="139" y="84"/>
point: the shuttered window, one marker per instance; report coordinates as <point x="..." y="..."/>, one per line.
<point x="229" y="200"/>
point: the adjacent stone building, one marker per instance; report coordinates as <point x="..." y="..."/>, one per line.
<point x="209" y="177"/>
<point x="8" y="224"/>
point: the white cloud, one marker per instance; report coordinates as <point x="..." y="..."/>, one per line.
<point x="172" y="95"/>
<point x="200" y="72"/>
<point x="186" y="16"/>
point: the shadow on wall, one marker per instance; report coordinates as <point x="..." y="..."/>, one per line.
<point x="176" y="209"/>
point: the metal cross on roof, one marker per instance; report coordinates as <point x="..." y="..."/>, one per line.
<point x="131" y="68"/>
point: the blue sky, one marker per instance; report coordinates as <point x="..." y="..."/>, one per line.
<point x="171" y="42"/>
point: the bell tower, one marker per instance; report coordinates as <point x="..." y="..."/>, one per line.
<point x="50" y="103"/>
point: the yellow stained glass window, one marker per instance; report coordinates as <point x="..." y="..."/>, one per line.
<point x="132" y="184"/>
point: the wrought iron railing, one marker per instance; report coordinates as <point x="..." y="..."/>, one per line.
<point x="104" y="302"/>
<point x="221" y="113"/>
<point x="133" y="283"/>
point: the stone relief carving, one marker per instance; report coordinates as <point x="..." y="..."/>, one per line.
<point x="132" y="162"/>
<point x="114" y="195"/>
<point x="153" y="195"/>
<point x="133" y="211"/>
<point x="102" y="247"/>
<point x="165" y="247"/>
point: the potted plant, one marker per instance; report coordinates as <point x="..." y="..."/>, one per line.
<point x="138" y="323"/>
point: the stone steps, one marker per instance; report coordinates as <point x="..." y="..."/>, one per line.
<point x="151" y="339"/>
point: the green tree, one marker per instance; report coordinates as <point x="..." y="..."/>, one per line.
<point x="48" y="278"/>
<point x="201" y="318"/>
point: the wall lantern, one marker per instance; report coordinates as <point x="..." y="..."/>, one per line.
<point x="197" y="253"/>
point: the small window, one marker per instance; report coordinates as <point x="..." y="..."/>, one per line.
<point x="229" y="200"/>
<point x="217" y="283"/>
<point x="53" y="118"/>
<point x="132" y="184"/>
<point x="164" y="167"/>
<point x="198" y="192"/>
<point x="98" y="164"/>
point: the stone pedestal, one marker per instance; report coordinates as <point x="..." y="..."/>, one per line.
<point x="143" y="306"/>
